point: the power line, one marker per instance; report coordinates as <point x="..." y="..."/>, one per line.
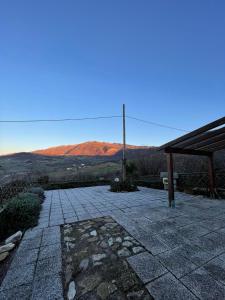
<point x="157" y="124"/>
<point x="59" y="120"/>
<point x="93" y="118"/>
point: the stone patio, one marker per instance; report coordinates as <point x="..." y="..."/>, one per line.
<point x="185" y="246"/>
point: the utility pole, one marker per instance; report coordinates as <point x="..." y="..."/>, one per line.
<point x="124" y="146"/>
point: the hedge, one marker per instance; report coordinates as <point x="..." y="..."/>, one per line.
<point x="21" y="212"/>
<point x="74" y="184"/>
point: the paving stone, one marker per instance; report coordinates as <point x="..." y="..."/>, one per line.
<point x="48" y="288"/>
<point x="17" y="293"/>
<point x="152" y="243"/>
<point x="50" y="251"/>
<point x="55" y="230"/>
<point x="30" y="244"/>
<point x="32" y="233"/>
<point x="162" y="226"/>
<point x="168" y="287"/>
<point x="181" y="221"/>
<point x="193" y="230"/>
<point x="50" y="237"/>
<point x="48" y="267"/>
<point x="194" y="253"/>
<point x="42" y="226"/>
<point x="172" y="239"/>
<point x="56" y="222"/>
<point x="214" y="247"/>
<point x="216" y="268"/>
<point x="146" y="266"/>
<point x="213" y="224"/>
<point x="203" y="285"/>
<point x="178" y="265"/>
<point x="24" y="257"/>
<point x="18" y="276"/>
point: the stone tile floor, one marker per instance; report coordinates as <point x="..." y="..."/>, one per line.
<point x="185" y="246"/>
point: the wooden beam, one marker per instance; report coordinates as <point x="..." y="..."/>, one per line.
<point x="214" y="146"/>
<point x="194" y="133"/>
<point x="212" y="186"/>
<point x="170" y="180"/>
<point x="186" y="151"/>
<point x="200" y="138"/>
<point x="208" y="142"/>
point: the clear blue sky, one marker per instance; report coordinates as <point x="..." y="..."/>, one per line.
<point x="65" y="59"/>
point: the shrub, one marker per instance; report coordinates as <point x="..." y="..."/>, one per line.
<point x="120" y="186"/>
<point x="20" y="213"/>
<point x="38" y="191"/>
<point x="43" y="179"/>
<point x="75" y="184"/>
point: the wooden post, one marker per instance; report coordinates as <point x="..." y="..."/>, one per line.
<point x="211" y="176"/>
<point x="170" y="179"/>
<point x="124" y="146"/>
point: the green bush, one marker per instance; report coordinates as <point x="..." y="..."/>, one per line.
<point x="75" y="184"/>
<point x="120" y="186"/>
<point x="38" y="191"/>
<point x="43" y="179"/>
<point x="20" y="213"/>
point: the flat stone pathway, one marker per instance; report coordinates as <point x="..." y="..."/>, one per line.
<point x="185" y="246"/>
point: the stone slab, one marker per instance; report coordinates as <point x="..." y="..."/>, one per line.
<point x="18" y="276"/>
<point x="168" y="287"/>
<point x="172" y="239"/>
<point x="48" y="267"/>
<point x="146" y="266"/>
<point x="192" y="231"/>
<point x="50" y="251"/>
<point x="24" y="257"/>
<point x="48" y="288"/>
<point x="152" y="243"/>
<point x="203" y="285"/>
<point x="22" y="292"/>
<point x="194" y="253"/>
<point x="176" y="264"/>
<point x="32" y="233"/>
<point x="216" y="268"/>
<point x="30" y="244"/>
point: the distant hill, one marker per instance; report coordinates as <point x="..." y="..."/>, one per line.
<point x="87" y="149"/>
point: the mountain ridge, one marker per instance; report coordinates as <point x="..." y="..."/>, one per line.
<point x="90" y="148"/>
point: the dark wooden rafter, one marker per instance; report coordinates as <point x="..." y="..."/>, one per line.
<point x="194" y="133"/>
<point x="200" y="138"/>
<point x="214" y="146"/>
<point x="203" y="141"/>
<point x="208" y="142"/>
<point x="186" y="151"/>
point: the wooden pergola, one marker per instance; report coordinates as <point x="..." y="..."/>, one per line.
<point x="203" y="141"/>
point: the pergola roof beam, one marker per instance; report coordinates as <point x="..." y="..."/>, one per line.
<point x="207" y="142"/>
<point x="195" y="133"/>
<point x="186" y="151"/>
<point x="201" y="137"/>
<point x="214" y="147"/>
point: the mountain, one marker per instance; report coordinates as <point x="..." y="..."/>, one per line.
<point x="87" y="149"/>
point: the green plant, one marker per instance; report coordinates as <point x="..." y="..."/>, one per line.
<point x="20" y="213"/>
<point x="120" y="186"/>
<point x="131" y="169"/>
<point x="43" y="179"/>
<point x="38" y="191"/>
